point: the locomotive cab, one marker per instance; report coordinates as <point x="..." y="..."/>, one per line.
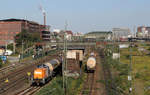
<point x="41" y="74"/>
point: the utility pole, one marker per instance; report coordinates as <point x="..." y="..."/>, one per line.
<point x="14" y="47"/>
<point x="66" y="53"/>
<point x="114" y="36"/>
<point x="130" y="70"/>
<point x="6" y="45"/>
<point x="64" y="65"/>
<point x="22" y="49"/>
<point x="134" y="31"/>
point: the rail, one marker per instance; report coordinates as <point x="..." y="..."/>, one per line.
<point x="29" y="91"/>
<point x="87" y="89"/>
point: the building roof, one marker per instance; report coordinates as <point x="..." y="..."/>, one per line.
<point x="69" y="32"/>
<point x="100" y="32"/>
<point x="13" y="19"/>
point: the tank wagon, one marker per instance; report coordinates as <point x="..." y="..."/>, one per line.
<point x="43" y="73"/>
<point x="91" y="64"/>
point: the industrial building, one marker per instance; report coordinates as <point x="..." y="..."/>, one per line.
<point x="9" y="28"/>
<point x="143" y="32"/>
<point x="120" y="34"/>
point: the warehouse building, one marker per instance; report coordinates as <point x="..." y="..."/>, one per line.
<point x="9" y="28"/>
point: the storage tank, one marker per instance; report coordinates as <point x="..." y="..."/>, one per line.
<point x="91" y="62"/>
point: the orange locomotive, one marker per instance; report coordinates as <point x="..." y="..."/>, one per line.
<point x="45" y="72"/>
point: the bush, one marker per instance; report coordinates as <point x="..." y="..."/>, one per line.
<point x="10" y="47"/>
<point x="120" y="73"/>
<point x="0" y="62"/>
<point x="127" y="56"/>
<point x="137" y="75"/>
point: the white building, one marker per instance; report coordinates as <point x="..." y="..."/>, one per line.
<point x="120" y="33"/>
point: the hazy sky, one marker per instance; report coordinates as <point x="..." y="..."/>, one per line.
<point x="82" y="15"/>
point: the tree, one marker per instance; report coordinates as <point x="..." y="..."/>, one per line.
<point x="27" y="38"/>
<point x="0" y="62"/>
<point x="10" y="46"/>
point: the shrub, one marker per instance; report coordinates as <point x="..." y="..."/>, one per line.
<point x="0" y="62"/>
<point x="137" y="75"/>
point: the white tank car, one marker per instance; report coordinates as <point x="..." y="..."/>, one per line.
<point x="92" y="54"/>
<point x="91" y="63"/>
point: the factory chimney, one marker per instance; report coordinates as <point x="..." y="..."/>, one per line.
<point x="44" y="14"/>
<point x="44" y="18"/>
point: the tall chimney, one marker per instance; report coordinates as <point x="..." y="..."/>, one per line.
<point x="44" y="18"/>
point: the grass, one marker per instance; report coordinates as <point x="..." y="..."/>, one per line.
<point x="119" y="74"/>
<point x="55" y="87"/>
<point x="75" y="86"/>
<point x="140" y="69"/>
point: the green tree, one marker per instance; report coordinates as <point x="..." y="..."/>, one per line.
<point x="0" y="62"/>
<point x="10" y="47"/>
<point x="27" y="38"/>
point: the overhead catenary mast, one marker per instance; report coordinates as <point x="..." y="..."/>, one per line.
<point x="64" y="65"/>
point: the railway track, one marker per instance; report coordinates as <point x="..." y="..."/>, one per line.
<point x="7" y="86"/>
<point x="32" y="89"/>
<point x="18" y="78"/>
<point x="88" y="87"/>
<point x="29" y="91"/>
<point x="14" y="80"/>
<point x="12" y="67"/>
<point x="109" y="82"/>
<point x="18" y="65"/>
<point x="19" y="71"/>
<point x="15" y="74"/>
